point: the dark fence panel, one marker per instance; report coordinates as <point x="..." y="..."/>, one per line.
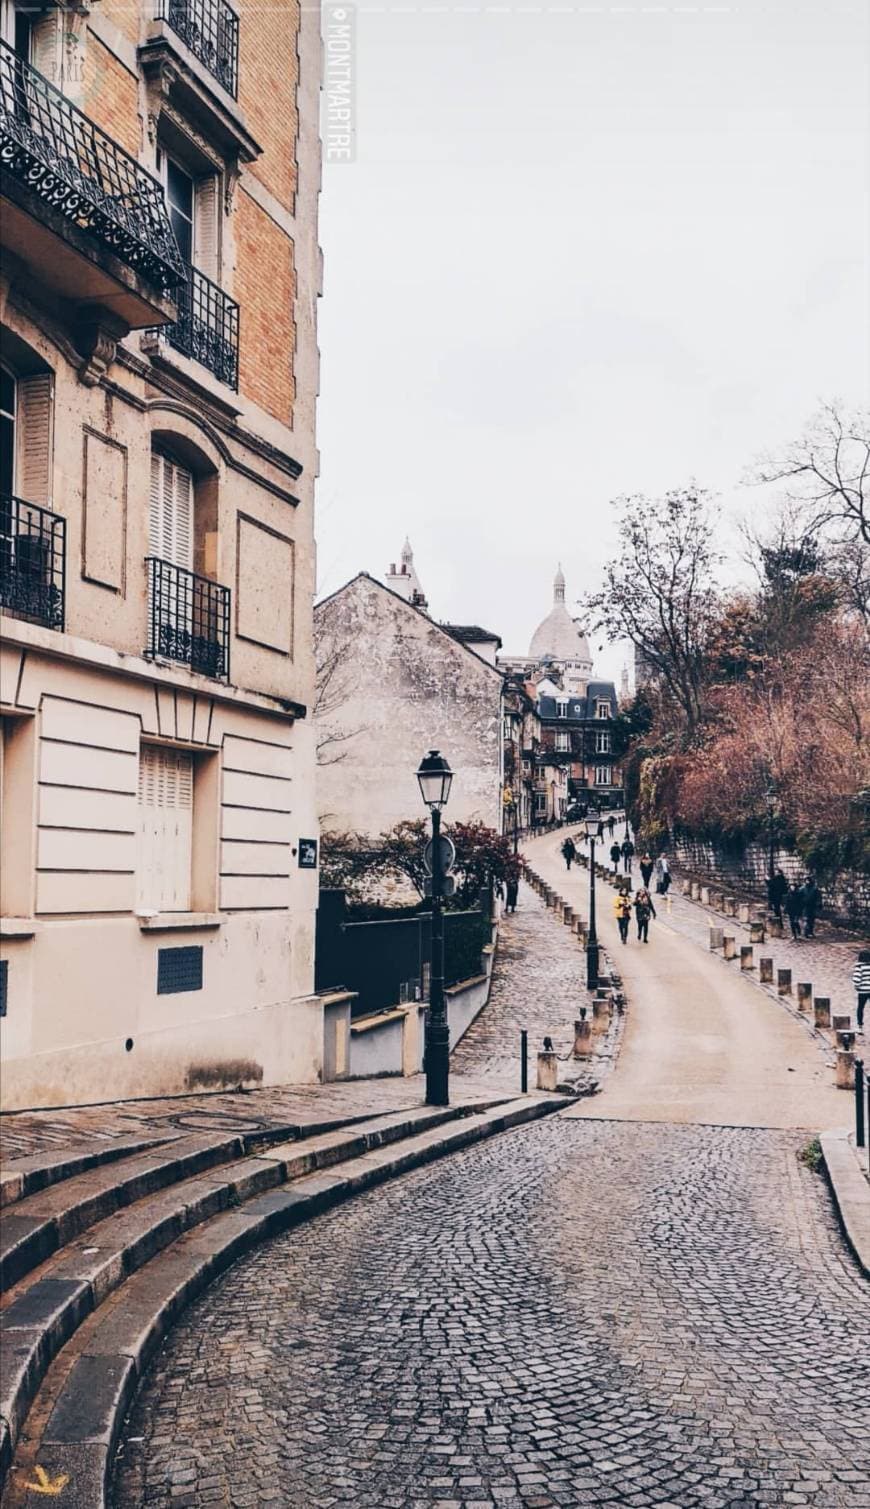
<point x="383" y="959"/>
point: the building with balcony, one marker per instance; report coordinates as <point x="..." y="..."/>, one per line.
<point x="160" y="273"/>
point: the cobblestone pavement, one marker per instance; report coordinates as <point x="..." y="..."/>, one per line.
<point x="538" y="984"/>
<point x="577" y="1313"/>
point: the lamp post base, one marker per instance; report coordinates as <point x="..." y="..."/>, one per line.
<point x="438" y="1064"/>
<point x="592" y="964"/>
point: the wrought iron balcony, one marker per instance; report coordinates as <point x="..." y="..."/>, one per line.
<point x="210" y="28"/>
<point x="207" y="327"/>
<point x="189" y="619"/>
<point x="32" y="562"/>
<point x="80" y="172"/>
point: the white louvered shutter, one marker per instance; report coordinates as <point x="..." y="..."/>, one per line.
<point x="34" y="423"/>
<point x="165" y="829"/>
<point x="206" y="227"/>
<point x="170" y="514"/>
<point x="46" y="47"/>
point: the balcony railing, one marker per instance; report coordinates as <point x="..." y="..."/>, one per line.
<point x="207" y="327"/>
<point x="189" y="619"/>
<point x="32" y="562"/>
<point x="210" y="28"/>
<point x="79" y="171"/>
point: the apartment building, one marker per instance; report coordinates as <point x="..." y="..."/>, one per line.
<point x="160" y="271"/>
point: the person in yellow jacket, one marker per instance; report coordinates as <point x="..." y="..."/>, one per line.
<point x="622" y="908"/>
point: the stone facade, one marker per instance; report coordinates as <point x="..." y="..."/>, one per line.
<point x="746" y="867"/>
<point x="157" y="656"/>
<point x="402" y="685"/>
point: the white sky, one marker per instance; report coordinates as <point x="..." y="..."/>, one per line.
<point x="583" y="250"/>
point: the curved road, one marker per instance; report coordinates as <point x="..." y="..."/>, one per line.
<point x="583" y="1312"/>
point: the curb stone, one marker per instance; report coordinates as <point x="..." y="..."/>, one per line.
<point x="851" y="1194"/>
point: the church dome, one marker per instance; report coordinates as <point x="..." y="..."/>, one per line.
<point x="557" y="637"/>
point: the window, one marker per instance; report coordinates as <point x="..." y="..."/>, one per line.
<point x="540" y="804"/>
<point x="602" y="741"/>
<point x="193" y="212"/>
<point x="563" y="741"/>
<point x="602" y="775"/>
<point x="164" y="866"/>
<point x="7" y="431"/>
<point x="25" y="435"/>
<point x="562" y="709"/>
<point x="604" y="710"/>
<point x="507" y="730"/>
<point x="527" y="767"/>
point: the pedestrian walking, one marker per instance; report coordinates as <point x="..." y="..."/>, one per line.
<point x="600" y="827"/>
<point x="611" y="823"/>
<point x="622" y="908"/>
<point x="627" y="854"/>
<point x="794" y="908"/>
<point x="615" y="855"/>
<point x="663" y="875"/>
<point x="812" y="905"/>
<point x="861" y="979"/>
<point x="777" y="890"/>
<point x="569" y="853"/>
<point x="643" y="910"/>
<point x="512" y="892"/>
<point x="646" y="868"/>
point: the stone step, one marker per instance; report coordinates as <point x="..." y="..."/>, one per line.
<point x="43" y="1309"/>
<point x="26" y="1176"/>
<point x="74" y="1424"/>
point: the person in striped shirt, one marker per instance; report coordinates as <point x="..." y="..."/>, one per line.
<point x="861" y="977"/>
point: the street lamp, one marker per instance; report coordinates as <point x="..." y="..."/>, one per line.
<point x="590" y="823"/>
<point x="435" y="778"/>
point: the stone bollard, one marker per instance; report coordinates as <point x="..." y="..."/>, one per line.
<point x="729" y="906"/>
<point x="756" y="932"/>
<point x="747" y="956"/>
<point x="822" y="1011"/>
<point x="567" y="914"/>
<point x="694" y="890"/>
<point x="715" y="939"/>
<point x="705" y="895"/>
<point x="548" y="1071"/>
<point x="804" y="996"/>
<point x="783" y="982"/>
<point x="601" y="1008"/>
<point x="728" y="946"/>
<point x="582" y="1036"/>
<point x="841" y="1023"/>
<point x="776" y="928"/>
<point x="845" y="1061"/>
<point x="765" y="971"/>
<point x="744" y="913"/>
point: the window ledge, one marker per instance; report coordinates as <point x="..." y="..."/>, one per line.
<point x="18" y="927"/>
<point x="166" y="922"/>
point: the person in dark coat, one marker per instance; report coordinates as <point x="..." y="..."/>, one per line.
<point x="569" y="853"/>
<point x="611" y="824"/>
<point x="600" y="827"/>
<point x="512" y="889"/>
<point x="615" y="853"/>
<point x="777" y="890"/>
<point x="646" y="868"/>
<point x="794" y="908"/>
<point x="627" y="854"/>
<point x="643" y="910"/>
<point x="812" y="906"/>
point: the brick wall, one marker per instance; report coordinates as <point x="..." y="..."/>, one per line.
<point x="111" y="96"/>
<point x="268" y="75"/>
<point x="125" y="15"/>
<point x="744" y="867"/>
<point x="265" y="288"/>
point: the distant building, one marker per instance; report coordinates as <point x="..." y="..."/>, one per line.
<point x="405" y="685"/>
<point x="576" y="754"/>
<point x="405" y="581"/>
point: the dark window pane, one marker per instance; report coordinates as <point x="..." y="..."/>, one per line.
<point x="180" y="186"/>
<point x="7" y="391"/>
<point x="7" y="454"/>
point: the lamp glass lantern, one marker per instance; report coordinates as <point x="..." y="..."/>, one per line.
<point x="435" y="778"/>
<point x="590" y="824"/>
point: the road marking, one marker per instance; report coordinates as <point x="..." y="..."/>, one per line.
<point x="50" y="1487"/>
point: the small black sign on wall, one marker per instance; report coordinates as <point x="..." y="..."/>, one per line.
<point x="308" y="853"/>
<point x="178" y="969"/>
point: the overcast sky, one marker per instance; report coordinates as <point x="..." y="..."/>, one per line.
<point x="583" y="250"/>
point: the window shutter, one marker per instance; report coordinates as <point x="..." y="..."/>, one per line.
<point x="206" y="231"/>
<point x="34" y="415"/>
<point x="170" y="514"/>
<point x="46" y="37"/>
<point x="165" y="829"/>
<point x="155" y="512"/>
<point x="183" y="543"/>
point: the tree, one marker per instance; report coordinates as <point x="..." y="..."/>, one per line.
<point x="827" y="472"/>
<point x="659" y="590"/>
<point x="333" y="688"/>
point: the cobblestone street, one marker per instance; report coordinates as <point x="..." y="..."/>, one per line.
<point x="581" y="1313"/>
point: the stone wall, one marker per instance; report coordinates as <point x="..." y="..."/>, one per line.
<point x="745" y="867"/>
